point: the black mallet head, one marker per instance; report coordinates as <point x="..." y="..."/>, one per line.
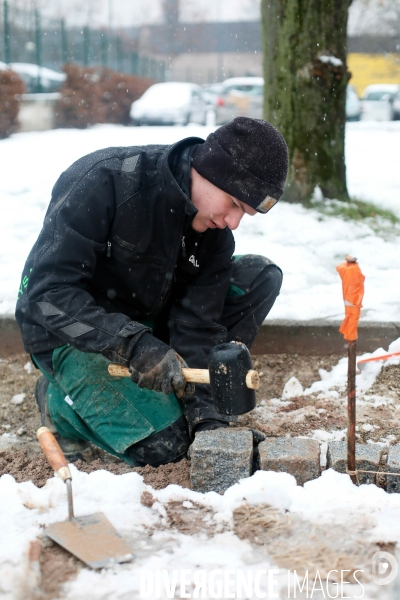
<point x="233" y="383"/>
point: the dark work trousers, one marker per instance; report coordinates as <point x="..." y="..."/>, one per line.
<point x="255" y="285"/>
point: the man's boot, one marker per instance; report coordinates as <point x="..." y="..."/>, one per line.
<point x="72" y="449"/>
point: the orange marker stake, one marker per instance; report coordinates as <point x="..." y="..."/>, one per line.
<point x="353" y="292"/>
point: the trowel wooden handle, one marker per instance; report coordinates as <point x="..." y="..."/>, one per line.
<point x="53" y="453"/>
<point x="191" y="375"/>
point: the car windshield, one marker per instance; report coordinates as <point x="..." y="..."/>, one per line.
<point x="252" y="90"/>
<point x="378" y="95"/>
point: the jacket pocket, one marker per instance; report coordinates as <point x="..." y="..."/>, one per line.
<point x="113" y="417"/>
<point x="127" y="251"/>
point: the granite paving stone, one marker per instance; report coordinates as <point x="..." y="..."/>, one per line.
<point x="297" y="456"/>
<point x="393" y="466"/>
<point x="368" y="458"/>
<point x="220" y="458"/>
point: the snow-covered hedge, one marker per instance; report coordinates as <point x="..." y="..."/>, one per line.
<point x="93" y="95"/>
<point x="11" y="88"/>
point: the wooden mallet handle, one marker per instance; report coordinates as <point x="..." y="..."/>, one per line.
<point x="191" y="375"/>
<point x="53" y="453"/>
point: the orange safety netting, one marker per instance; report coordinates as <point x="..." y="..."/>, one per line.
<point x="353" y="292"/>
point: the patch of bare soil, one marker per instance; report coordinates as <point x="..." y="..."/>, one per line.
<point x="25" y="467"/>
<point x="157" y="477"/>
<point x="186" y="517"/>
<point x="21" y="419"/>
<point x="295" y="545"/>
<point x="387" y="380"/>
<point x="160" y="477"/>
<point x="190" y="519"/>
<point x="276" y="369"/>
<point x="300" y="416"/>
<point x="57" y="566"/>
<point x="376" y="421"/>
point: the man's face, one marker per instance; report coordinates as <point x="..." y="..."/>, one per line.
<point x="216" y="208"/>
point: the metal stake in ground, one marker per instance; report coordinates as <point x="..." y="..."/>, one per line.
<point x="351" y="409"/>
<point x="353" y="292"/>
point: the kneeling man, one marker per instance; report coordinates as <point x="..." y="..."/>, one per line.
<point x="135" y="265"/>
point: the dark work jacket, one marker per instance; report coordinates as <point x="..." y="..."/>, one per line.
<point x="116" y="240"/>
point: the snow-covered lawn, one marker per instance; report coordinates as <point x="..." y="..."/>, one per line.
<point x="306" y="245"/>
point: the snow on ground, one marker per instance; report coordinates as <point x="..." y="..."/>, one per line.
<point x="331" y="499"/>
<point x="305" y="244"/>
<point x="365" y="378"/>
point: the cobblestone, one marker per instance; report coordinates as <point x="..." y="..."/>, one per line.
<point x="299" y="457"/>
<point x="220" y="458"/>
<point x="368" y="458"/>
<point x="393" y="466"/>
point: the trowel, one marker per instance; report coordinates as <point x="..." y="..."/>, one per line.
<point x="90" y="538"/>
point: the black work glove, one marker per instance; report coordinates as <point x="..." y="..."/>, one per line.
<point x="156" y="366"/>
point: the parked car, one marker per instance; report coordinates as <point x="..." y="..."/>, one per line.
<point x="50" y="80"/>
<point x="377" y="101"/>
<point x="172" y="103"/>
<point x="240" y="96"/>
<point x="353" y="104"/>
<point x="396" y="106"/>
<point x="211" y="92"/>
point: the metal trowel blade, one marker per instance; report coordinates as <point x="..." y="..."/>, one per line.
<point x="92" y="539"/>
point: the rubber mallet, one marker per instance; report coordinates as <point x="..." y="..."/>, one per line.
<point x="233" y="381"/>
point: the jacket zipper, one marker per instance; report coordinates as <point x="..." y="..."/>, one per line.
<point x="168" y="283"/>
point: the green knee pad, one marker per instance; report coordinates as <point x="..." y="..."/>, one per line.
<point x="85" y="402"/>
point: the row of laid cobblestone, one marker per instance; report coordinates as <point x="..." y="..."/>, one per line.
<point x="222" y="457"/>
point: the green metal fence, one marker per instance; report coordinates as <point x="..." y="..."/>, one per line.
<point x="26" y="37"/>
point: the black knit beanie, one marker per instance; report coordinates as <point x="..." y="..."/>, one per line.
<point x="248" y="159"/>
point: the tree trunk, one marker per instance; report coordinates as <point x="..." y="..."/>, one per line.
<point x="305" y="76"/>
